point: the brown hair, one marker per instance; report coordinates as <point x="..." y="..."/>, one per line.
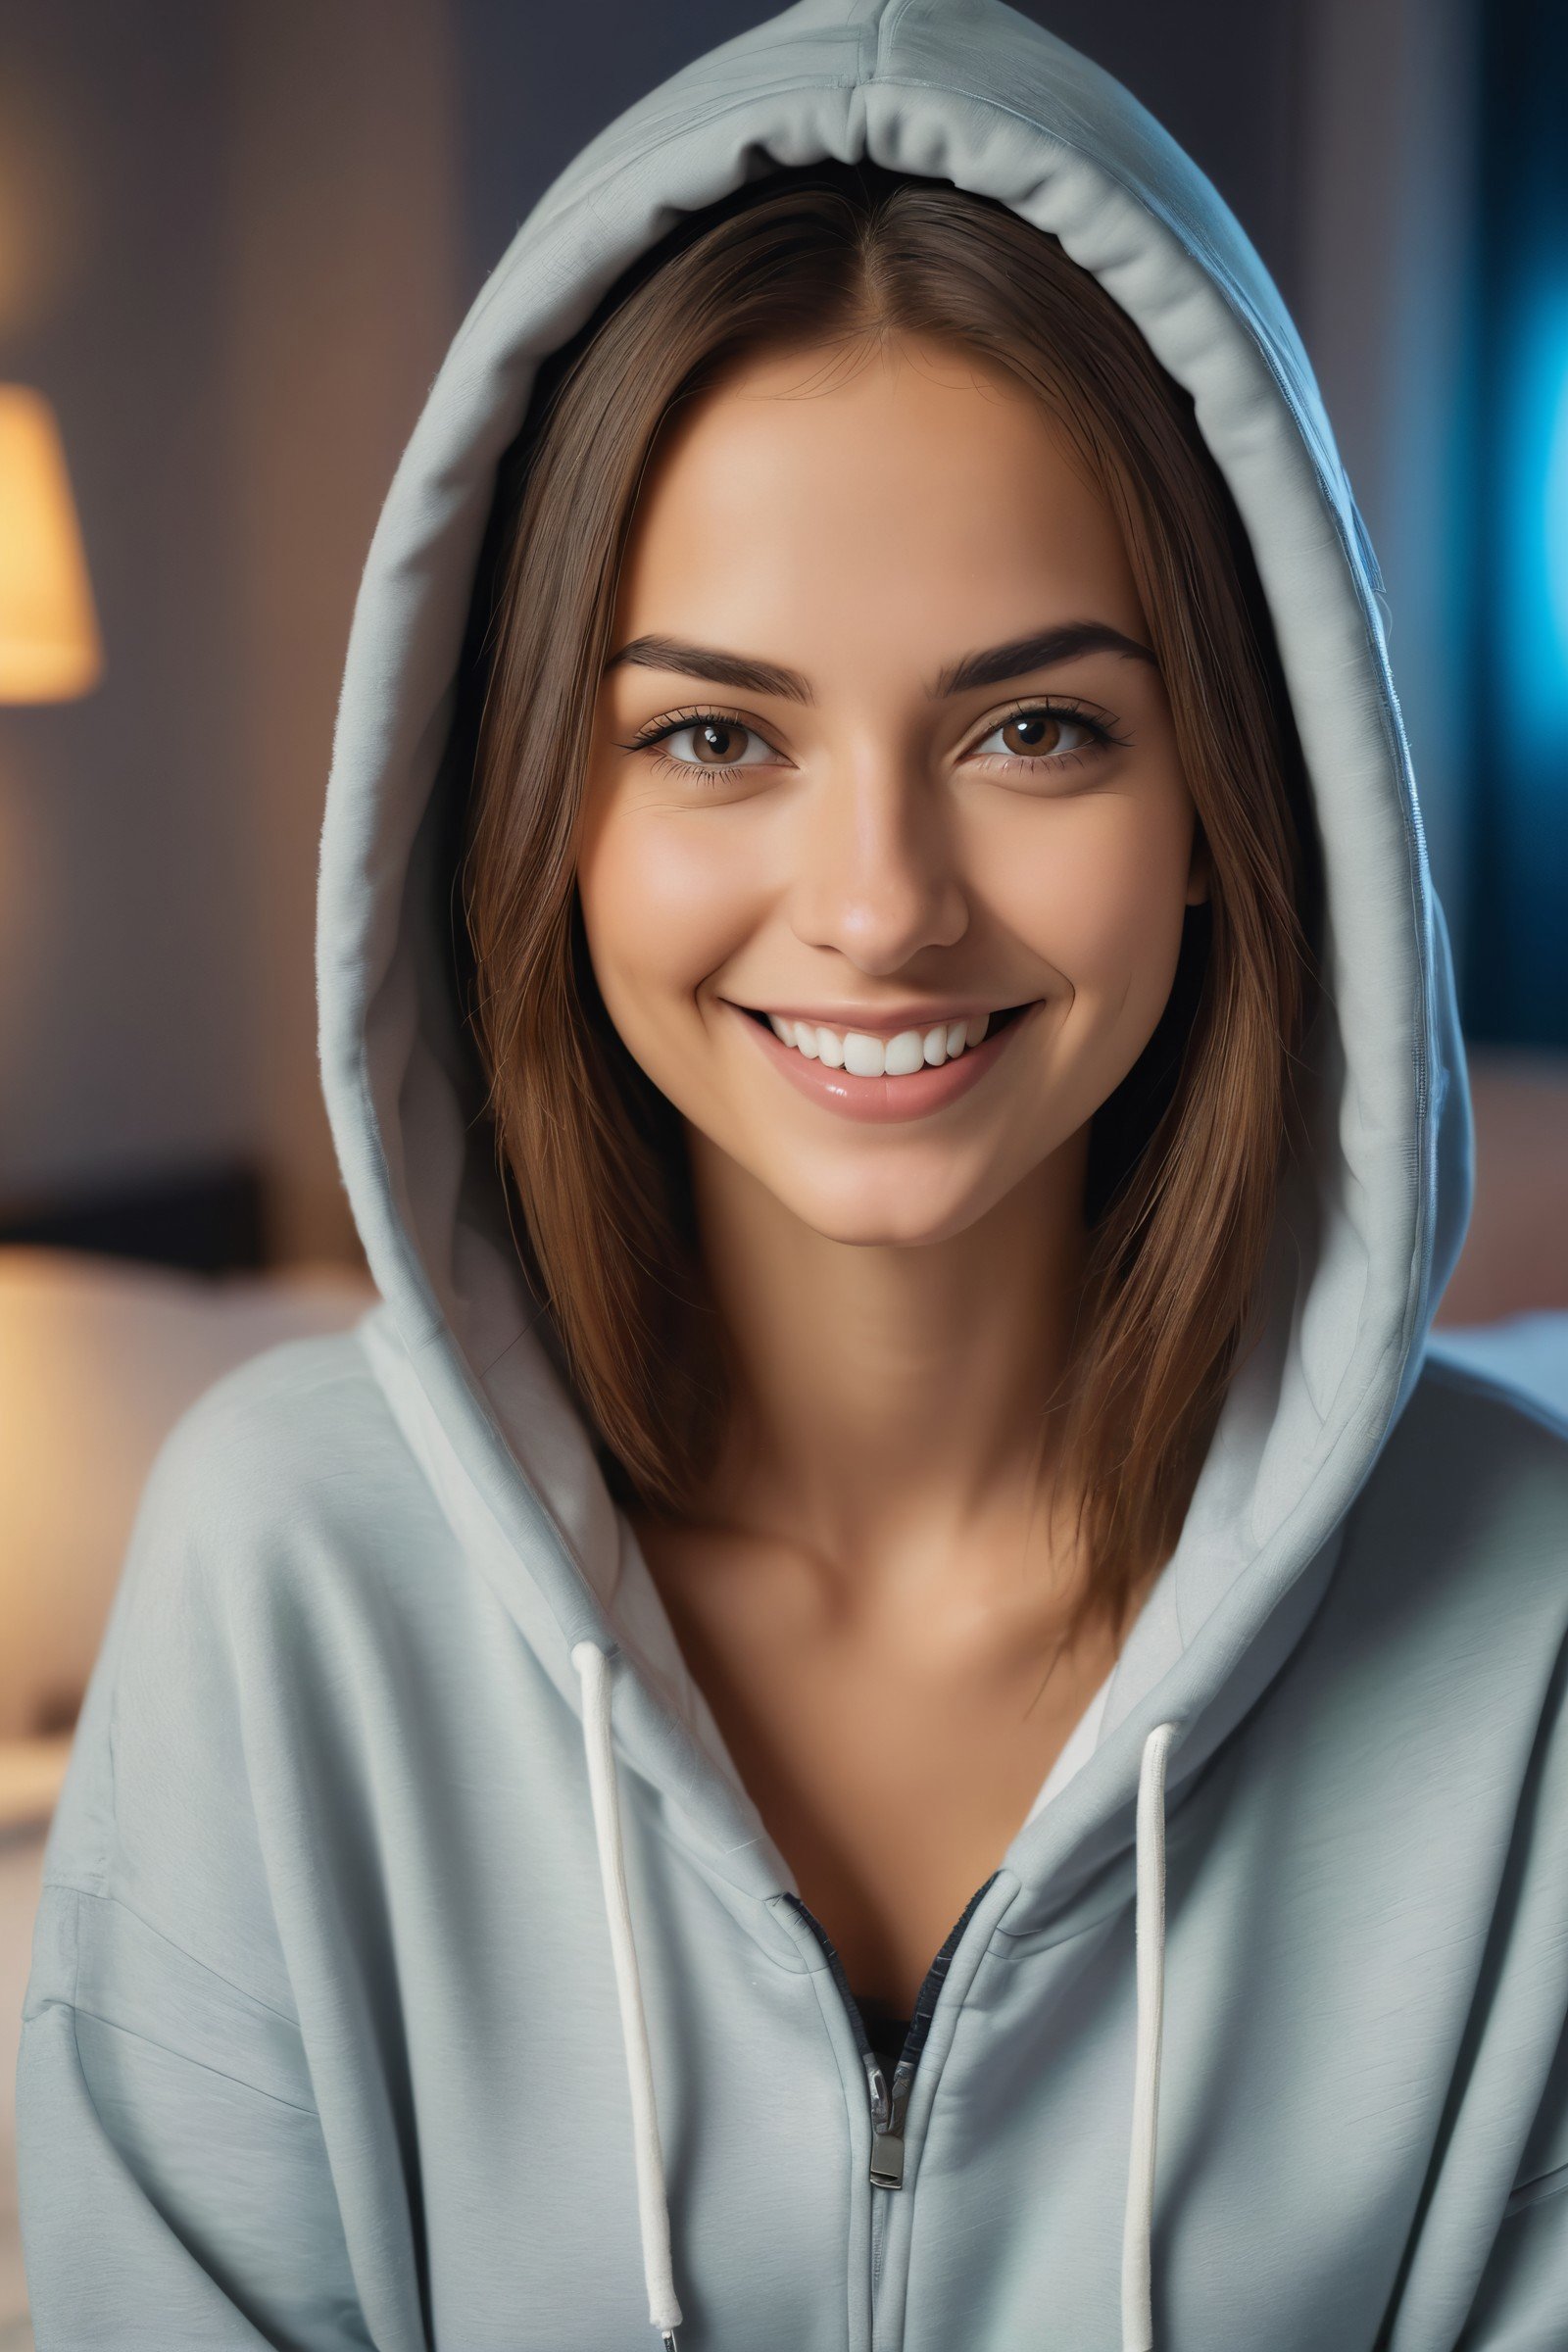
<point x="1186" y="1156"/>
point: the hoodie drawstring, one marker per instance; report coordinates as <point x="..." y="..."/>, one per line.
<point x="1137" y="2258"/>
<point x="653" y="2202"/>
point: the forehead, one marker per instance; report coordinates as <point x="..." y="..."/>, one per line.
<point x="911" y="499"/>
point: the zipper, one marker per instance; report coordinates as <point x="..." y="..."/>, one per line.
<point x="890" y="2101"/>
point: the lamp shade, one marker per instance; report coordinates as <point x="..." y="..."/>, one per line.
<point x="49" y="644"/>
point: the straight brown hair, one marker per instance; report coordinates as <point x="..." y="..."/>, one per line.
<point x="1187" y="1157"/>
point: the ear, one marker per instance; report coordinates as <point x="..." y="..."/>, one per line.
<point x="1200" y="870"/>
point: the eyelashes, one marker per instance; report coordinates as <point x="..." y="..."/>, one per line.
<point x="1064" y="711"/>
<point x="661" y="730"/>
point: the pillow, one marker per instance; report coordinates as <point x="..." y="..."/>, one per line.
<point x="99" y="1356"/>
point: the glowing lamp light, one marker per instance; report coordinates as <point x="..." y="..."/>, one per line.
<point x="50" y="651"/>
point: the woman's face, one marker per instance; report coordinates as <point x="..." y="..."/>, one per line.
<point x="881" y="761"/>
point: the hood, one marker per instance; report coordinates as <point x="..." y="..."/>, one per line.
<point x="972" y="92"/>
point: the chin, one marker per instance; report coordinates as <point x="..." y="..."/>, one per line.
<point x="883" y="1214"/>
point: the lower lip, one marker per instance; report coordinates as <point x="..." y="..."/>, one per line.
<point x="879" y="1099"/>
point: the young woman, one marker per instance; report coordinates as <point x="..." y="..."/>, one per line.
<point x="886" y="1705"/>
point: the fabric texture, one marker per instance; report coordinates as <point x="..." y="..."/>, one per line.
<point x="413" y="1966"/>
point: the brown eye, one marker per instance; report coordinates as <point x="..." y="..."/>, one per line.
<point x="1045" y="734"/>
<point x="721" y="745"/>
<point x="1032" y="731"/>
<point x="717" y="742"/>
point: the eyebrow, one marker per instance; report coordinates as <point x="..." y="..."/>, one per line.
<point x="992" y="666"/>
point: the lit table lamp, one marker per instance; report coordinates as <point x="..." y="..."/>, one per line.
<point x="49" y="645"/>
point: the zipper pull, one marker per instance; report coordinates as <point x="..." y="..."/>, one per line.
<point x="887" y="2120"/>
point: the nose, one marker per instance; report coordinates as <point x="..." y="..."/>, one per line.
<point x="876" y="875"/>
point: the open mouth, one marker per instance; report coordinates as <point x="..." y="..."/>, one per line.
<point x="909" y="1076"/>
<point x="903" y="1054"/>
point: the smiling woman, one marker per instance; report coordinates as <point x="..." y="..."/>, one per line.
<point x="894" y="1054"/>
<point x="735" y="959"/>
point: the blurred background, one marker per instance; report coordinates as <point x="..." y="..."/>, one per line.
<point x="235" y="240"/>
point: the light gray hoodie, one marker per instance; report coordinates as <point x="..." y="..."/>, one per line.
<point x="413" y="1968"/>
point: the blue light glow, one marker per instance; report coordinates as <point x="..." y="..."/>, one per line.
<point x="1533" y="586"/>
<point x="1556" y="513"/>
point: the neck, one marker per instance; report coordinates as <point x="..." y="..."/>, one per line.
<point x="891" y="1406"/>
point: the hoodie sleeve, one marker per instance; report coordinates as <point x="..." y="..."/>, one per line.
<point x="1522" y="2304"/>
<point x="175" y="2183"/>
<point x="176" y="2188"/>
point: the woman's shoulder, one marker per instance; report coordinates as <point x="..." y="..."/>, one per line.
<point x="1463" y="1519"/>
<point x="299" y="1435"/>
<point x="283" y="1536"/>
<point x="283" y="1514"/>
<point x="284" y="1506"/>
<point x="1475" y="1430"/>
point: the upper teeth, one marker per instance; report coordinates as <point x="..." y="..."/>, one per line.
<point x="876" y="1056"/>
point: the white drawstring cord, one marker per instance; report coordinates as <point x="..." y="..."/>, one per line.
<point x="1137" y="2256"/>
<point x="653" y="2204"/>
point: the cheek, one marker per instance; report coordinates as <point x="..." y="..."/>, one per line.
<point x="666" y="899"/>
<point x="1100" y="894"/>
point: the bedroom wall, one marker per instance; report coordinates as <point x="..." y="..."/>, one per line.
<point x="349" y="283"/>
<point x="228" y="254"/>
<point x="1386" y="261"/>
<point x="112" y="149"/>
